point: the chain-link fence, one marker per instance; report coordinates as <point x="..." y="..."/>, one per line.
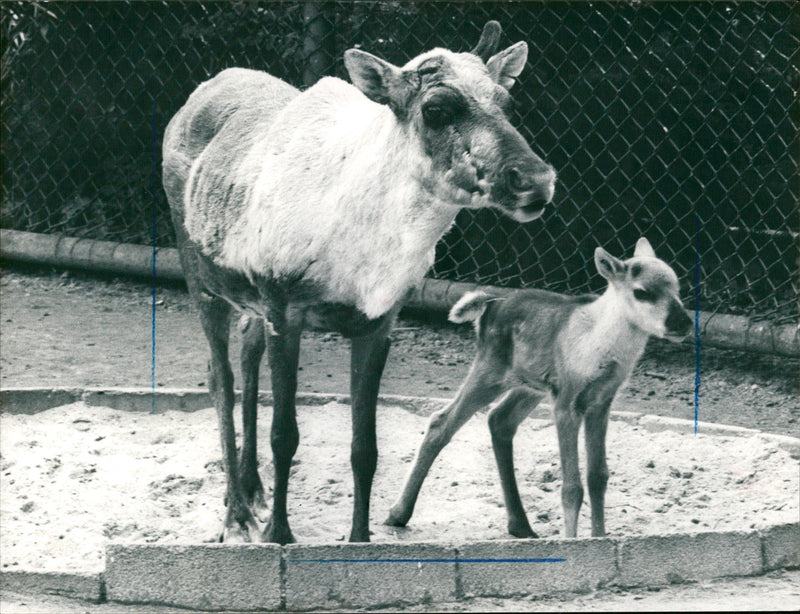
<point x="673" y="120"/>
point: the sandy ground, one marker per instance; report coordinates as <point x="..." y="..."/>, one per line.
<point x="76" y="476"/>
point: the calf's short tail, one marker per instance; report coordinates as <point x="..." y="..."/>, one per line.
<point x="470" y="307"/>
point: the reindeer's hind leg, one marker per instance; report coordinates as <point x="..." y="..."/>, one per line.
<point x="283" y="349"/>
<point x="481" y="387"/>
<point x="215" y="317"/>
<point x="368" y="356"/>
<point x="253" y="346"/>
<point x="503" y="422"/>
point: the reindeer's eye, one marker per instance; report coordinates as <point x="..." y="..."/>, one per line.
<point x="640" y="294"/>
<point x="437" y="116"/>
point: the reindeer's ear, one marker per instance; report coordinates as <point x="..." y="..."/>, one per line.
<point x="643" y="248"/>
<point x="505" y="66"/>
<point x="489" y="39"/>
<point x="378" y="79"/>
<point x="609" y="267"/>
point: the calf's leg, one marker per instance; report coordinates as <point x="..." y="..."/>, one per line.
<point x="568" y="422"/>
<point x="595" y="429"/>
<point x="480" y="387"/>
<point x="504" y="419"/>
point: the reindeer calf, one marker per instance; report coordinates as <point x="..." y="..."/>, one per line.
<point x="579" y="348"/>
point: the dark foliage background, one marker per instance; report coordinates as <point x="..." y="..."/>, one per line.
<point x="673" y="120"/>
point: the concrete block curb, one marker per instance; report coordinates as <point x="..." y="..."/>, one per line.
<point x="203" y="577"/>
<point x="790" y="444"/>
<point x="140" y="400"/>
<point x="368" y="575"/>
<point x="656" y="424"/>
<point x="311" y="577"/>
<point x="34" y="400"/>
<point x="535" y="566"/>
<point x="674" y="559"/>
<point x="781" y="546"/>
<point x="31" y="400"/>
<point x="85" y="586"/>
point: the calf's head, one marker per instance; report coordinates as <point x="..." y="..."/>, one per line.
<point x="457" y="103"/>
<point x="646" y="291"/>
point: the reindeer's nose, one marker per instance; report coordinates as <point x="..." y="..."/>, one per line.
<point x="518" y="181"/>
<point x="533" y="185"/>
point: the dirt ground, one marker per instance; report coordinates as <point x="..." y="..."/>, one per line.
<point x="141" y="477"/>
<point x="73" y="329"/>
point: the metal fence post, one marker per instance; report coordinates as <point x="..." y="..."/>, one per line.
<point x="318" y="37"/>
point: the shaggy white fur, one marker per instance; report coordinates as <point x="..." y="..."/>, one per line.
<point x="329" y="185"/>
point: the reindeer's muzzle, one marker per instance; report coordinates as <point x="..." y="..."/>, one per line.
<point x="529" y="190"/>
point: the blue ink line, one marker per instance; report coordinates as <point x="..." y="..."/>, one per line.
<point x="522" y="560"/>
<point x="154" y="142"/>
<point x="696" y="321"/>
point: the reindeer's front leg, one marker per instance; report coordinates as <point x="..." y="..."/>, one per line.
<point x="283" y="349"/>
<point x="367" y="359"/>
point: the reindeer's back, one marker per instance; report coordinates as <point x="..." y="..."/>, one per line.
<point x="524" y="328"/>
<point x="232" y="109"/>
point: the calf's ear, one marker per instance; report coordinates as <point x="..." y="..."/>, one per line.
<point x="506" y="66"/>
<point x="643" y="248"/>
<point x="381" y="81"/>
<point x="607" y="265"/>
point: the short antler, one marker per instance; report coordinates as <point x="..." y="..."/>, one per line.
<point x="489" y="39"/>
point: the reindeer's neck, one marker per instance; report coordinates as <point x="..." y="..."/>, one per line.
<point x="346" y="205"/>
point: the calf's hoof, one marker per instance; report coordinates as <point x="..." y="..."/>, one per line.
<point x="397" y="518"/>
<point x="523" y="531"/>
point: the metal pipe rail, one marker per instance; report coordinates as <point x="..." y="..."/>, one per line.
<point x="718" y="330"/>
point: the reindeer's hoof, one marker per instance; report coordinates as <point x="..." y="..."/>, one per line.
<point x="276" y="533"/>
<point x="259" y="507"/>
<point x="359" y="536"/>
<point x="240" y="531"/>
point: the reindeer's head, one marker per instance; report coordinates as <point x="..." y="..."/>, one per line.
<point x="646" y="290"/>
<point x="457" y="104"/>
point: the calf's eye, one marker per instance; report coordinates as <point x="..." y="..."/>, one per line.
<point x="640" y="294"/>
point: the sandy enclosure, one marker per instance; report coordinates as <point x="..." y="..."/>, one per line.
<point x="76" y="476"/>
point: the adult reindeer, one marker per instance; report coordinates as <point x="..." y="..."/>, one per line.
<point x="323" y="209"/>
